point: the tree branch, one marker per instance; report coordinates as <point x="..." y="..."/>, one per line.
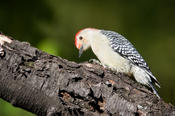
<point x="48" y="85"/>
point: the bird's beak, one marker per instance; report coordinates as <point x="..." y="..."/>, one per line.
<point x="81" y="51"/>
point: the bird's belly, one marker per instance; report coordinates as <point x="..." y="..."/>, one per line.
<point x="106" y="55"/>
<point x="112" y="60"/>
<point x="115" y="62"/>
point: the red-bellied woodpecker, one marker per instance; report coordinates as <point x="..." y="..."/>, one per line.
<point x="117" y="53"/>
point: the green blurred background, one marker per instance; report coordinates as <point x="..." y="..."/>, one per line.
<point x="50" y="25"/>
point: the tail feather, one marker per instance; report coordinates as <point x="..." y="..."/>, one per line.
<point x="145" y="77"/>
<point x="153" y="79"/>
<point x="154" y="90"/>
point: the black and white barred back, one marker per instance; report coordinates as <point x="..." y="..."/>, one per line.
<point x="122" y="46"/>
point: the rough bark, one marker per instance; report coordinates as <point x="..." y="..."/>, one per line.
<point x="49" y="85"/>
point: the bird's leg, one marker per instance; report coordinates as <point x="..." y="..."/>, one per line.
<point x="95" y="61"/>
<point x="110" y="69"/>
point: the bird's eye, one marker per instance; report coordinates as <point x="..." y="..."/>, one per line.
<point x="80" y="38"/>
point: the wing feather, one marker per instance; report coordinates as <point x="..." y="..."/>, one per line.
<point x="125" y="48"/>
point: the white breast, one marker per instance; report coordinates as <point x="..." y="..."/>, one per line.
<point x="100" y="46"/>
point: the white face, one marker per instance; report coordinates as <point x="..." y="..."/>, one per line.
<point x="82" y="39"/>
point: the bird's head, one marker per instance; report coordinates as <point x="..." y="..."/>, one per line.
<point x="82" y="39"/>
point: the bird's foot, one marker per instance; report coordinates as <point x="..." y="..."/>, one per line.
<point x="109" y="69"/>
<point x="106" y="67"/>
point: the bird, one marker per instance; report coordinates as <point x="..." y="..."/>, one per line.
<point x="117" y="53"/>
